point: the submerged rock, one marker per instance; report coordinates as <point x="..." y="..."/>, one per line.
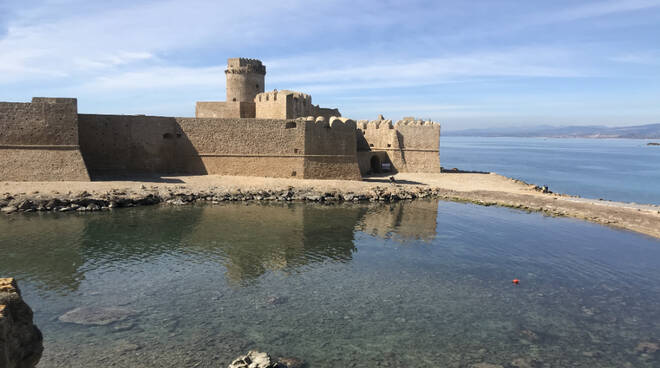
<point x="21" y="342"/>
<point x="95" y="315"/>
<point x="276" y="300"/>
<point x="486" y="365"/>
<point x="647" y="347"/>
<point x="291" y="362"/>
<point x="255" y="359"/>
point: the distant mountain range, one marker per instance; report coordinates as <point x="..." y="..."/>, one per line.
<point x="648" y="131"/>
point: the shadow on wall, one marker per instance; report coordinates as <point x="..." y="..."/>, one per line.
<point x="140" y="147"/>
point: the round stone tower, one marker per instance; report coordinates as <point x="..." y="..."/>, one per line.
<point x="245" y="78"/>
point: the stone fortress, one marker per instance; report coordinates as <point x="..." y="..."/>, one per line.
<point x="252" y="133"/>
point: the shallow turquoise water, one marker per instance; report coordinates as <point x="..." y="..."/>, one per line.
<point x="417" y="284"/>
<point x="616" y="169"/>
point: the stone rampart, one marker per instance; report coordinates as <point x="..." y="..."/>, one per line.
<point x="330" y="148"/>
<point x="420" y="145"/>
<point x="407" y="146"/>
<point x="129" y="145"/>
<point x="283" y="105"/>
<point x="126" y="145"/>
<point x="213" y="109"/>
<point x="39" y="141"/>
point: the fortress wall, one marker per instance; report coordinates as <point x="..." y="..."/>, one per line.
<point x="244" y="136"/>
<point x="212" y="109"/>
<point x="39" y="122"/>
<point x="39" y="141"/>
<point x="379" y="138"/>
<point x="330" y="150"/>
<point x="249" y="147"/>
<point x="325" y="112"/>
<point x="283" y="105"/>
<point x="298" y="105"/>
<point x="420" y="143"/>
<point x="378" y="135"/>
<point x="410" y="146"/>
<point x="418" y="134"/>
<point x="269" y="105"/>
<point x="125" y="145"/>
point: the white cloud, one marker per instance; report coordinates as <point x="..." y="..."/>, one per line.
<point x="598" y="9"/>
<point x="641" y="58"/>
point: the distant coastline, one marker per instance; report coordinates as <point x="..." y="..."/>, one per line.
<point x="648" y="131"/>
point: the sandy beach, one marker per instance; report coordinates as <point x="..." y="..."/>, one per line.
<point x="478" y="188"/>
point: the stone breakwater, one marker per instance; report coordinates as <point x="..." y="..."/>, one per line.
<point x="478" y="188"/>
<point x="21" y="342"/>
<point x="84" y="202"/>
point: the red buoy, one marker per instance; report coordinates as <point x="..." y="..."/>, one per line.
<point x="516" y="281"/>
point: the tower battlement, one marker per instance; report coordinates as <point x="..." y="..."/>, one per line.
<point x="244" y="66"/>
<point x="245" y="79"/>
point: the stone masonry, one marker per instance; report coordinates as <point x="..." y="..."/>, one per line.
<point x="253" y="133"/>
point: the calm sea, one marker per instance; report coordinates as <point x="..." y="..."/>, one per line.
<point x="416" y="284"/>
<point x="615" y="169"/>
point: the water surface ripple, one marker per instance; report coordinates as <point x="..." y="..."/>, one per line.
<point x="415" y="284"/>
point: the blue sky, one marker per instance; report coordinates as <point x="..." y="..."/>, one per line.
<point x="467" y="64"/>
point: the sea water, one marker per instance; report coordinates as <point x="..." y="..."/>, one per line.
<point x="625" y="170"/>
<point x="414" y="284"/>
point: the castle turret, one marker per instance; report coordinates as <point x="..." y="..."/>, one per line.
<point x="245" y="79"/>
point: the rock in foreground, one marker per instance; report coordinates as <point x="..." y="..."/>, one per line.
<point x="21" y="342"/>
<point x="255" y="359"/>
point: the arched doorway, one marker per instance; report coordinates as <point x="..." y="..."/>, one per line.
<point x="376" y="166"/>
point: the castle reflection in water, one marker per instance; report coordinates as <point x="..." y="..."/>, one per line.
<point x="248" y="239"/>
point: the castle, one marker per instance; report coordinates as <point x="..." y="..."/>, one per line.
<point x="253" y="133"/>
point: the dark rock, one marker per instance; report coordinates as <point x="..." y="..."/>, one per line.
<point x="24" y="205"/>
<point x="21" y="342"/>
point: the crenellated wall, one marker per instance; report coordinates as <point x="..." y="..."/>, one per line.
<point x="125" y="145"/>
<point x="420" y="145"/>
<point x="282" y="105"/>
<point x="288" y="105"/>
<point x="48" y="140"/>
<point x="408" y="145"/>
<point x="330" y="147"/>
<point x="39" y="141"/>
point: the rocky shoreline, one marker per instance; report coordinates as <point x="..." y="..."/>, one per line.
<point x="21" y="342"/>
<point x="83" y="202"/>
<point x="481" y="189"/>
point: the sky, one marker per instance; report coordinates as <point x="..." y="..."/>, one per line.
<point x="465" y="64"/>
